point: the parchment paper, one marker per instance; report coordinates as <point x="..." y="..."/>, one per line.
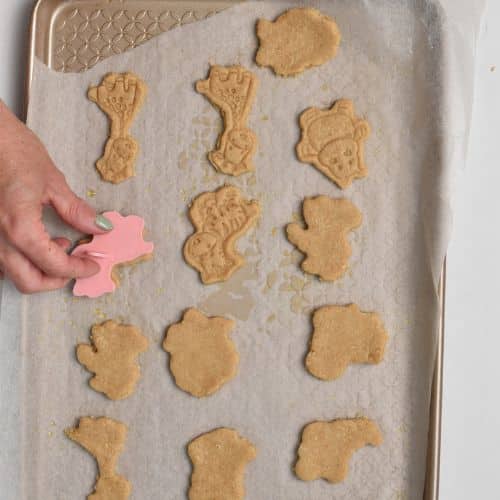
<point x="396" y="63"/>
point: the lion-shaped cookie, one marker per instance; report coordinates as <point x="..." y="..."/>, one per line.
<point x="220" y="218"/>
<point x="332" y="140"/>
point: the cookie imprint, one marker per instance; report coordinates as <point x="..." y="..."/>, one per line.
<point x="120" y="96"/>
<point x="299" y="39"/>
<point x="123" y="245"/>
<point x="104" y="439"/>
<point x="344" y="335"/>
<point x="112" y="357"/>
<point x="220" y="218"/>
<point x="219" y="459"/>
<point x="202" y="356"/>
<point x="332" y="140"/>
<point x="325" y="239"/>
<point x="327" y="447"/>
<point x="232" y="90"/>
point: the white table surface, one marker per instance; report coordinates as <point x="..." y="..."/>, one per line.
<point x="471" y="434"/>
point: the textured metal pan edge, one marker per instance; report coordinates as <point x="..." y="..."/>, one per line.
<point x="163" y="15"/>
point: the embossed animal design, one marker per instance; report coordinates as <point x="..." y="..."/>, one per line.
<point x="232" y="89"/>
<point x="123" y="245"/>
<point x="120" y="96"/>
<point x="220" y="218"/>
<point x="332" y="141"/>
<point x="219" y="460"/>
<point x="325" y="239"/>
<point x="112" y="357"/>
<point x="104" y="439"/>
<point x="327" y="447"/>
<point x="344" y="335"/>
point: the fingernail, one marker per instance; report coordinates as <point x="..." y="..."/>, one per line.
<point x="103" y="223"/>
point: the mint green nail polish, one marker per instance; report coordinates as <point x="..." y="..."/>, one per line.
<point x="103" y="223"/>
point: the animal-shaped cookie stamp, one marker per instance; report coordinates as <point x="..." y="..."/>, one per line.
<point x="219" y="459"/>
<point x="121" y="97"/>
<point x="299" y="39"/>
<point x="104" y="439"/>
<point x="327" y="447"/>
<point x="202" y="355"/>
<point x="112" y="357"/>
<point x="232" y="90"/>
<point x="325" y="241"/>
<point x="333" y="141"/>
<point x="344" y="335"/>
<point x="122" y="245"/>
<point x="220" y="218"/>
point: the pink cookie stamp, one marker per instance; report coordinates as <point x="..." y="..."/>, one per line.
<point x="124" y="244"/>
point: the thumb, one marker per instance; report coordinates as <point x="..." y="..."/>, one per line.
<point x="77" y="212"/>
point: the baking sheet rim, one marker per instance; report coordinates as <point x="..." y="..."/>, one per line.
<point x="39" y="36"/>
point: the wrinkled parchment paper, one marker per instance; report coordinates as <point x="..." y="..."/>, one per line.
<point x="408" y="67"/>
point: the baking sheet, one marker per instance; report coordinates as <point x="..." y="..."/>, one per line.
<point x="273" y="397"/>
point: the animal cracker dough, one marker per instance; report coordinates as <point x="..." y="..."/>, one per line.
<point x="219" y="459"/>
<point x="232" y="90"/>
<point x="104" y="439"/>
<point x="327" y="447"/>
<point x="123" y="245"/>
<point x="299" y="39"/>
<point x="220" y="218"/>
<point x="343" y="335"/>
<point x="324" y="241"/>
<point x="202" y="356"/>
<point x="112" y="357"/>
<point x="120" y="96"/>
<point x="332" y="140"/>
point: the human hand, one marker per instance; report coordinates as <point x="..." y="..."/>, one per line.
<point x="29" y="181"/>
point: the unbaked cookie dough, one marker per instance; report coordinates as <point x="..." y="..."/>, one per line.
<point x="121" y="97"/>
<point x="327" y="447"/>
<point x="344" y="335"/>
<point x="202" y="356"/>
<point x="324" y="241"/>
<point x="219" y="459"/>
<point x="232" y="90"/>
<point x="112" y="357"/>
<point x="104" y="439"/>
<point x="333" y="141"/>
<point x="299" y="39"/>
<point x="220" y="219"/>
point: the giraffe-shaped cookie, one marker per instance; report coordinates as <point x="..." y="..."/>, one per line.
<point x="232" y="89"/>
<point x="120" y="96"/>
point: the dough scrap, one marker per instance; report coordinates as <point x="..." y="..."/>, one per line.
<point x="121" y="97"/>
<point x="332" y="140"/>
<point x="219" y="459"/>
<point x="325" y="240"/>
<point x="104" y="439"/>
<point x="344" y="335"/>
<point x="121" y="246"/>
<point x="220" y="218"/>
<point x="232" y="90"/>
<point x="112" y="357"/>
<point x="297" y="40"/>
<point x="327" y="447"/>
<point x="202" y="356"/>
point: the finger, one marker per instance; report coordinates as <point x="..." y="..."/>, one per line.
<point x="64" y="243"/>
<point x="28" y="236"/>
<point x="25" y="276"/>
<point x="77" y="212"/>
